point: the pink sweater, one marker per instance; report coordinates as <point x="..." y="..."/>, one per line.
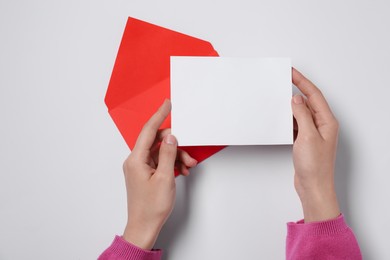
<point x="331" y="239"/>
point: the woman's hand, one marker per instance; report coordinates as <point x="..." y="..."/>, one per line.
<point x="314" y="152"/>
<point x="150" y="180"/>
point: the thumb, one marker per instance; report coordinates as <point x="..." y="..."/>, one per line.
<point x="167" y="155"/>
<point x="302" y="115"/>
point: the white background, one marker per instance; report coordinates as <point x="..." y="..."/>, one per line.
<point x="61" y="185"/>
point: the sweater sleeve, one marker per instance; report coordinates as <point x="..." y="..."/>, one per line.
<point x="120" y="249"/>
<point x="331" y="239"/>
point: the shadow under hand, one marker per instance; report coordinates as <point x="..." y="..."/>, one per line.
<point x="174" y="226"/>
<point x="343" y="182"/>
<point x="343" y="173"/>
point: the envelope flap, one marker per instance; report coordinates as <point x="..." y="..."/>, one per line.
<point x="143" y="58"/>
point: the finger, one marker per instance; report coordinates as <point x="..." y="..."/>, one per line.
<point x="324" y="119"/>
<point x="181" y="168"/>
<point x="303" y="116"/>
<point x="182" y="157"/>
<point x="167" y="156"/>
<point x="325" y="123"/>
<point x="149" y="131"/>
<point x="186" y="159"/>
<point x="184" y="170"/>
<point x="315" y="97"/>
<point x="161" y="134"/>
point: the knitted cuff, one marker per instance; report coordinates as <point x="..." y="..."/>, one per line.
<point x="125" y="250"/>
<point x="328" y="227"/>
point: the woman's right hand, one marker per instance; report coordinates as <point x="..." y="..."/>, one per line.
<point x="314" y="151"/>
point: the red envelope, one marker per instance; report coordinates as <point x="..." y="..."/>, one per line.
<point x="140" y="80"/>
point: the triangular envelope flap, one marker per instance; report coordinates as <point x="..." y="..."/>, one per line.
<point x="144" y="57"/>
<point x="131" y="115"/>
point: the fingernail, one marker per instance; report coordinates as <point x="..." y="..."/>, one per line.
<point x="298" y="99"/>
<point x="170" y="139"/>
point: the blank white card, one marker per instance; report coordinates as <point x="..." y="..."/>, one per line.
<point x="231" y="101"/>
